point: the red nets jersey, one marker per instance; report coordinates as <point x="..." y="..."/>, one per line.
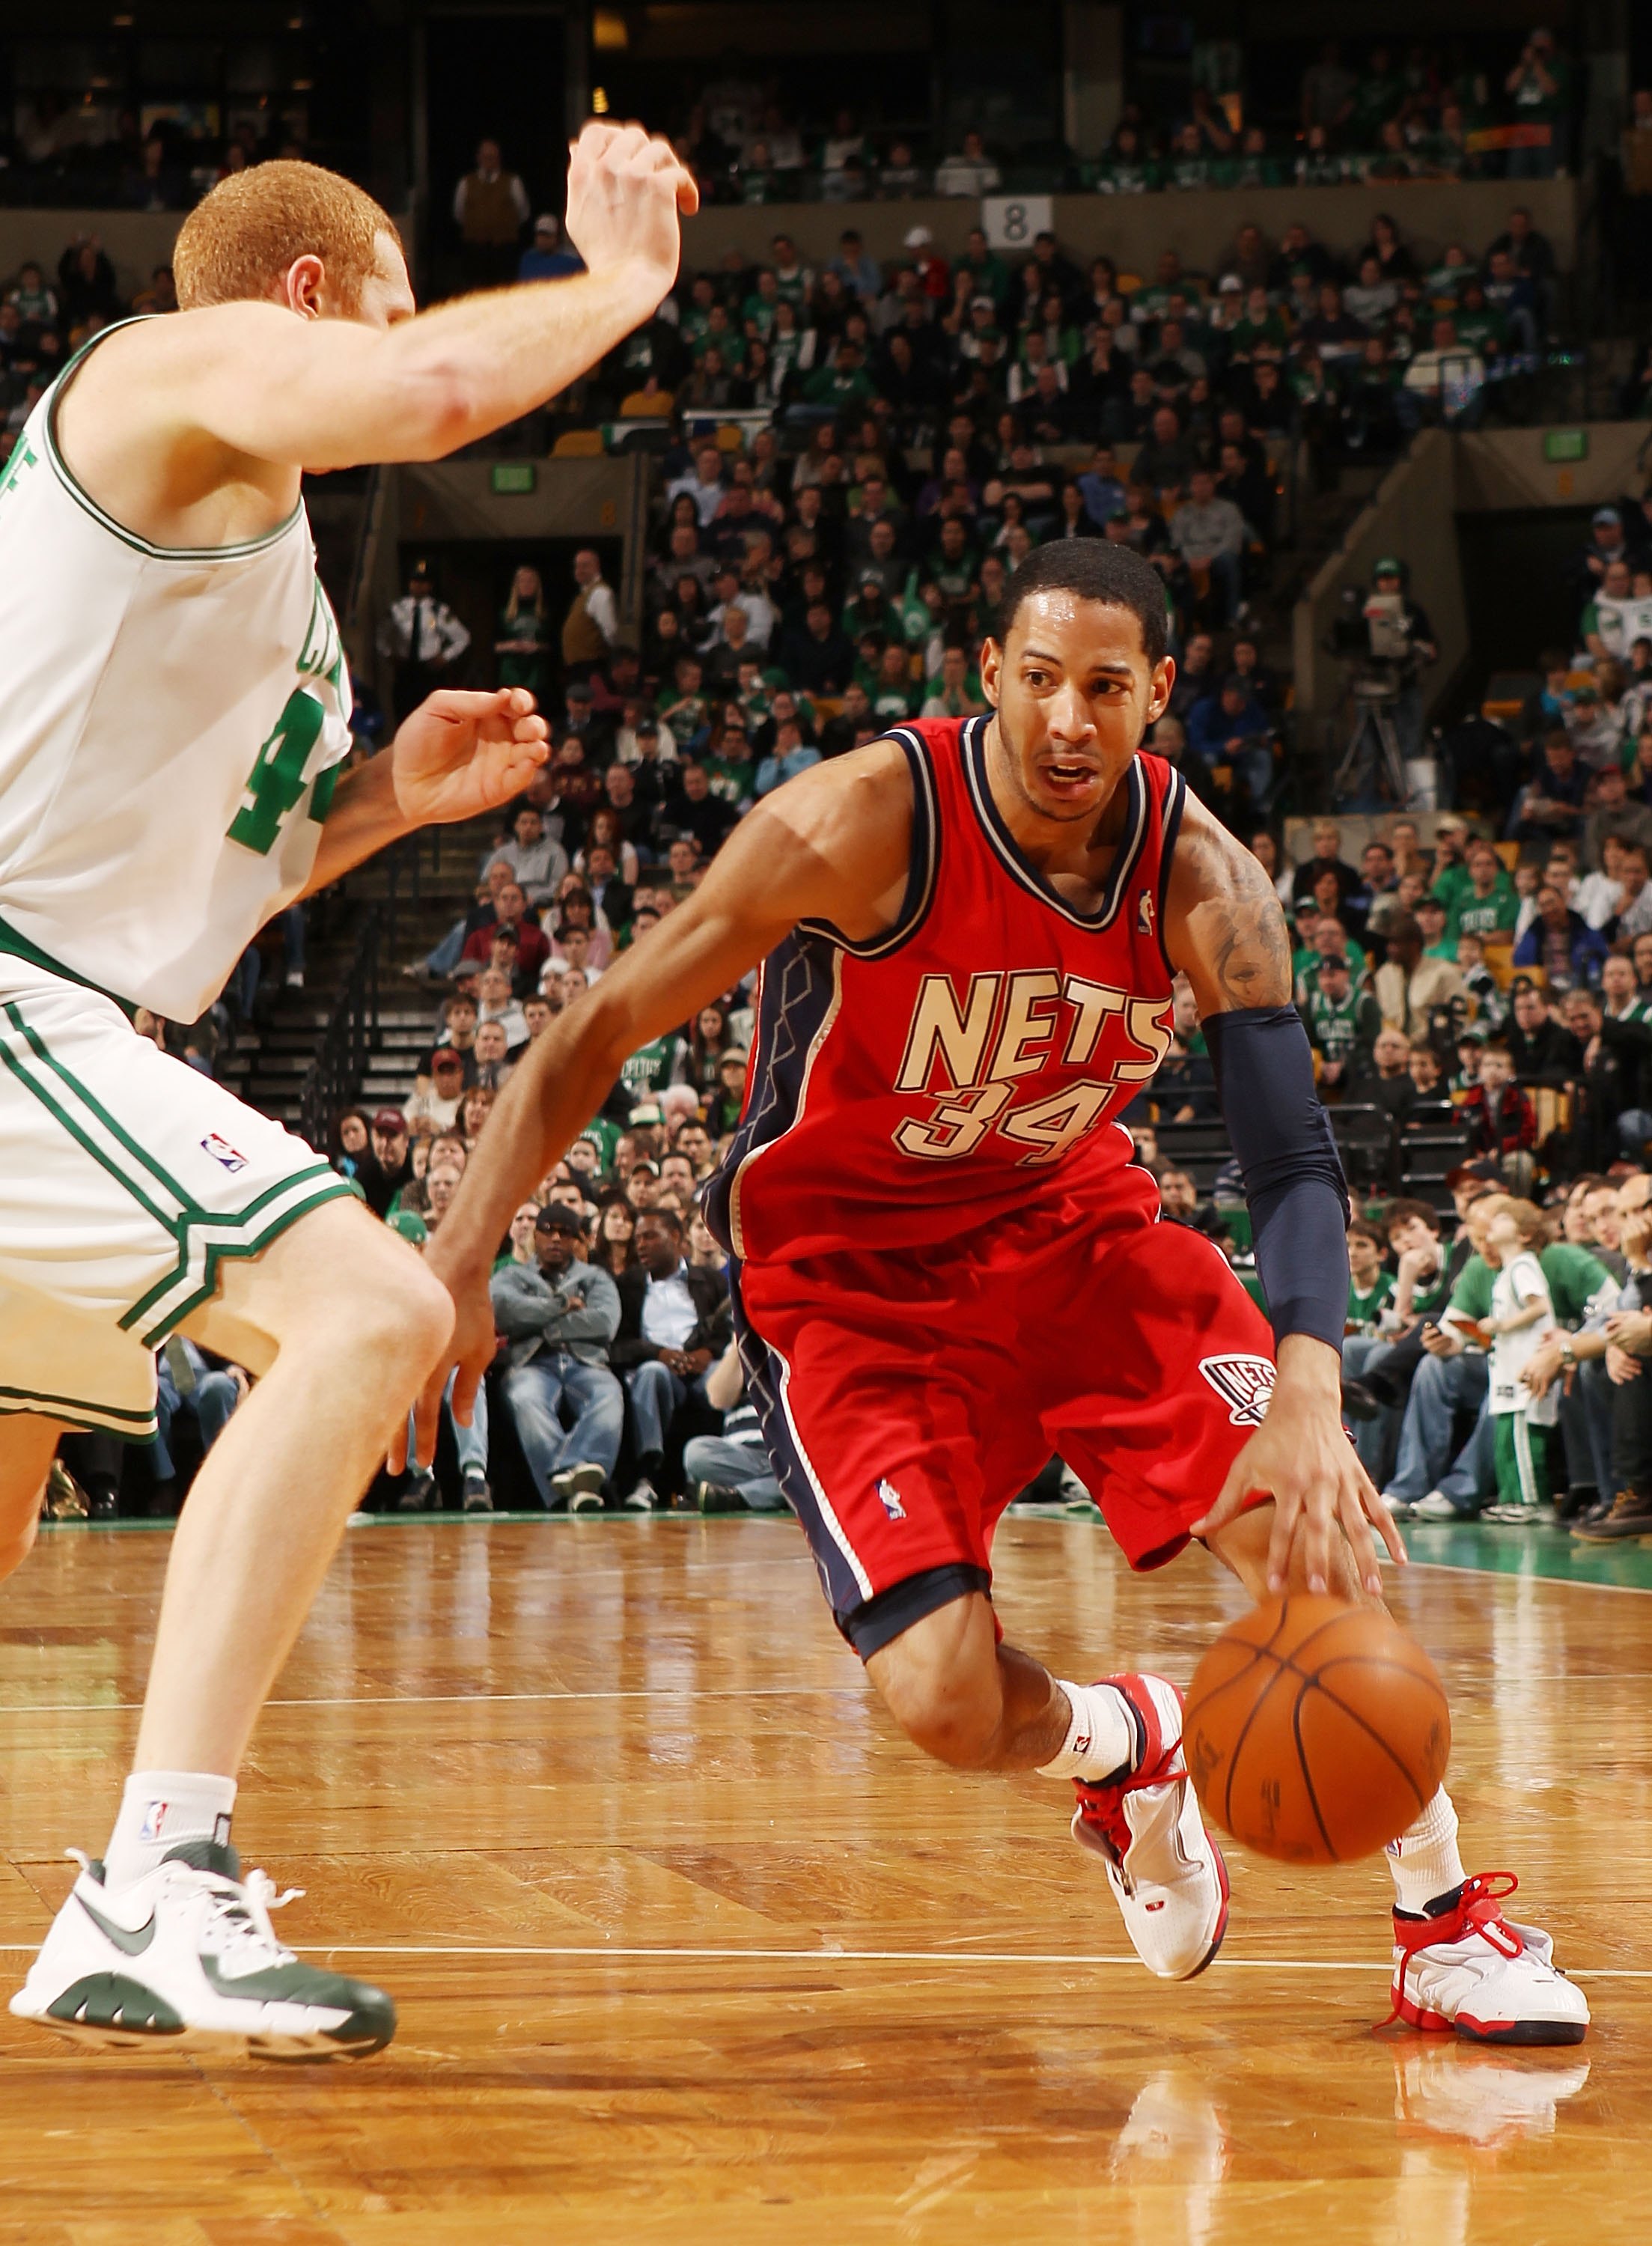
<point x="909" y="1090"/>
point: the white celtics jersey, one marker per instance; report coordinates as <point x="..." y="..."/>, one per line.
<point x="171" y="721"/>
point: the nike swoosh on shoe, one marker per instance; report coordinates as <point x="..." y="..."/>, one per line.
<point x="133" y="1940"/>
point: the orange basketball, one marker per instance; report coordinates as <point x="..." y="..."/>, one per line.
<point x="1316" y="1731"/>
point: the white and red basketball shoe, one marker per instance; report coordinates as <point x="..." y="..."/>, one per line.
<point x="1164" y="1870"/>
<point x="1468" y="1971"/>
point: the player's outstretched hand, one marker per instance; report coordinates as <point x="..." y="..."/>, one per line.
<point x="625" y="189"/>
<point x="471" y="1349"/>
<point x="1301" y="1455"/>
<point x="458" y="754"/>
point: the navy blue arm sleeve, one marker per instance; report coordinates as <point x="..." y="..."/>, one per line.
<point x="1293" y="1176"/>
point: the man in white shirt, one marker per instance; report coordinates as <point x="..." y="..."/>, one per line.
<point x="666" y="1342"/>
<point x="497" y="1003"/>
<point x="436" y="1108"/>
<point x="592" y="623"/>
<point x="423" y="637"/>
<point x="972" y="174"/>
<point x="704" y="486"/>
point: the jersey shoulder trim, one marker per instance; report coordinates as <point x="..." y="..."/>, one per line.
<point x="83" y="498"/>
<point x="923" y="869"/>
<point x="1138" y="823"/>
<point x="1170" y="812"/>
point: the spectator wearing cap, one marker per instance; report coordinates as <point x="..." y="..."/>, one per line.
<point x="1586" y="570"/>
<point x="387" y="1165"/>
<point x="1437" y="940"/>
<point x="1231" y="735"/>
<point x="423" y="638"/>
<point x="528" y="947"/>
<point x="436" y="1107"/>
<point x="934" y="275"/>
<point x="558" y="1320"/>
<point x="724" y="1107"/>
<point x="674" y="1322"/>
<point x="547" y="257"/>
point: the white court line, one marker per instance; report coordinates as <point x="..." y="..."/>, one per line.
<point x="462" y="1699"/>
<point x="1514" y="1576"/>
<point x="665" y="1955"/>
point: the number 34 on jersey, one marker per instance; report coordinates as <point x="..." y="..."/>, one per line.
<point x="967" y="1049"/>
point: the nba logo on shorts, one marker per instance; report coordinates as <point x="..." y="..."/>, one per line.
<point x="889" y="1499"/>
<point x="221" y="1151"/>
<point x="1245" y="1385"/>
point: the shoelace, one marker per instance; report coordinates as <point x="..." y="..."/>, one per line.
<point x="1477" y="1910"/>
<point x="239" y="1917"/>
<point x="1103" y="1806"/>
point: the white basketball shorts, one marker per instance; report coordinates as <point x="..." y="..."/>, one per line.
<point x="125" y="1178"/>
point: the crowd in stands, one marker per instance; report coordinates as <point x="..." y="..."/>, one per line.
<point x="832" y="574"/>
<point x="1382" y="114"/>
<point x="92" y="156"/>
<point x="1351" y="353"/>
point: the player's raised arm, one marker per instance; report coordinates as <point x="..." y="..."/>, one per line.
<point x="298" y="378"/>
<point x="1225" y="930"/>
<point x="833" y="845"/>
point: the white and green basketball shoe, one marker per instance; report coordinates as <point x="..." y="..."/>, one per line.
<point x="187" y="1956"/>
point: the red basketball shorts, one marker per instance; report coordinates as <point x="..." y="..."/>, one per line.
<point x="907" y="1397"/>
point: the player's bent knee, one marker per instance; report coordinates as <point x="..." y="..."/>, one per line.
<point x="405" y="1327"/>
<point x="940" y="1680"/>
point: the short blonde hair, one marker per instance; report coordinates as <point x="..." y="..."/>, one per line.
<point x="241" y="240"/>
<point x="1535" y="1227"/>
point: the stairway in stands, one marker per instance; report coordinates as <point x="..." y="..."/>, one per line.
<point x="270" y="1061"/>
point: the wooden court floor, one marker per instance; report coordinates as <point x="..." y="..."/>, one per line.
<point x="690" y="1946"/>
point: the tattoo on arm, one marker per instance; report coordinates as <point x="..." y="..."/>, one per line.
<point x="1233" y="943"/>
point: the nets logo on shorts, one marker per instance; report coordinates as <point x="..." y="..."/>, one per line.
<point x="1245" y="1385"/>
<point x="221" y="1151"/>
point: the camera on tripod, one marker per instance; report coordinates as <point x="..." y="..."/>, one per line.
<point x="1372" y="633"/>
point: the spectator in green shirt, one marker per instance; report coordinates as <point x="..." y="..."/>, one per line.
<point x="1488" y="906"/>
<point x="843" y="383"/>
<point x="1370" y="1288"/>
<point x="1432" y="920"/>
<point x="1451" y="875"/>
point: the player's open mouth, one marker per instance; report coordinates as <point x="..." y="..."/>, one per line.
<point x="1071" y="777"/>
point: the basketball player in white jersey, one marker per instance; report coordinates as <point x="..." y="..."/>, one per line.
<point x="175" y="719"/>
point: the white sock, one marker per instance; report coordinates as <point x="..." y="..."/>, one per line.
<point x="1424" y="1861"/>
<point x="160" y="1808"/>
<point x="1102" y="1738"/>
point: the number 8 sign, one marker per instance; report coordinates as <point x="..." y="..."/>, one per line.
<point x="1012" y="221"/>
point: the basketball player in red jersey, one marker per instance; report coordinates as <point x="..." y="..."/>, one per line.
<point x="946" y="1265"/>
